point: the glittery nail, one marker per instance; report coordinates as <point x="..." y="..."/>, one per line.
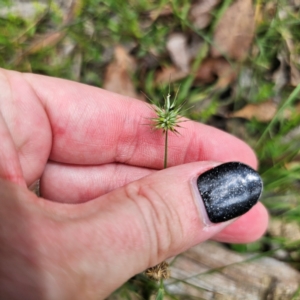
<point x="229" y="190"/>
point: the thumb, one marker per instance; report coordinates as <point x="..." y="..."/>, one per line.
<point x="163" y="214"/>
<point x="88" y="250"/>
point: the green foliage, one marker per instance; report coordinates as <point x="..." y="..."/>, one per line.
<point x="160" y="294"/>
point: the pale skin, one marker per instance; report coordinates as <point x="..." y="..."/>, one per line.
<point x="113" y="212"/>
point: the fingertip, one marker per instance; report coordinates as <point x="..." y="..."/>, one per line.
<point x="207" y="143"/>
<point x="246" y="229"/>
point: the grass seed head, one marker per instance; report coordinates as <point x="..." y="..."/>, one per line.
<point x="167" y="117"/>
<point x="158" y="272"/>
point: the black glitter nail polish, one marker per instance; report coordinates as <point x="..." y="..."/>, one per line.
<point x="229" y="190"/>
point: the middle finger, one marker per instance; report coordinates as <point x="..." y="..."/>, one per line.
<point x="76" y="184"/>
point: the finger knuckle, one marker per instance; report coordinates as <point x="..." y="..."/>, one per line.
<point x="160" y="219"/>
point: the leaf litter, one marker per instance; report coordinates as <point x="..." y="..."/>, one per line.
<point x="118" y="73"/>
<point x="235" y="31"/>
<point x="200" y="12"/>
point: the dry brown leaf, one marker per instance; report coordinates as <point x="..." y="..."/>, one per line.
<point x="292" y="165"/>
<point x="226" y="77"/>
<point x="161" y="12"/>
<point x="235" y="31"/>
<point x="293" y="49"/>
<point x="118" y="74"/>
<point x="294" y="59"/>
<point x="263" y="112"/>
<point x="169" y="74"/>
<point x="212" y="68"/>
<point x="45" y="41"/>
<point x="206" y="72"/>
<point x="281" y="75"/>
<point x="200" y="12"/>
<point x="178" y="50"/>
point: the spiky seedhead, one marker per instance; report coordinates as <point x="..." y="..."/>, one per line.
<point x="158" y="272"/>
<point x="168" y="117"/>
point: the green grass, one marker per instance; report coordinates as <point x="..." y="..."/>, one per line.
<point x="97" y="26"/>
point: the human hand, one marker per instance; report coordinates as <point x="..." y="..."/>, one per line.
<point x="89" y="144"/>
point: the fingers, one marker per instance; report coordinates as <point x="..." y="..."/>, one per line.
<point x="77" y="184"/>
<point x="94" y="126"/>
<point x="152" y="219"/>
<point x="88" y="250"/>
<point x="10" y="168"/>
<point x="79" y="124"/>
<point x="27" y="124"/>
<point x="248" y="228"/>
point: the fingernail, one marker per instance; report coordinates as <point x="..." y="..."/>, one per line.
<point x="229" y="190"/>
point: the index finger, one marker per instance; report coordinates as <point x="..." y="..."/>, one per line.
<point x="93" y="126"/>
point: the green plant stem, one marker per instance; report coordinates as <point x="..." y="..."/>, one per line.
<point x="160" y="294"/>
<point x="166" y="150"/>
<point x="161" y="284"/>
<point x="161" y="291"/>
